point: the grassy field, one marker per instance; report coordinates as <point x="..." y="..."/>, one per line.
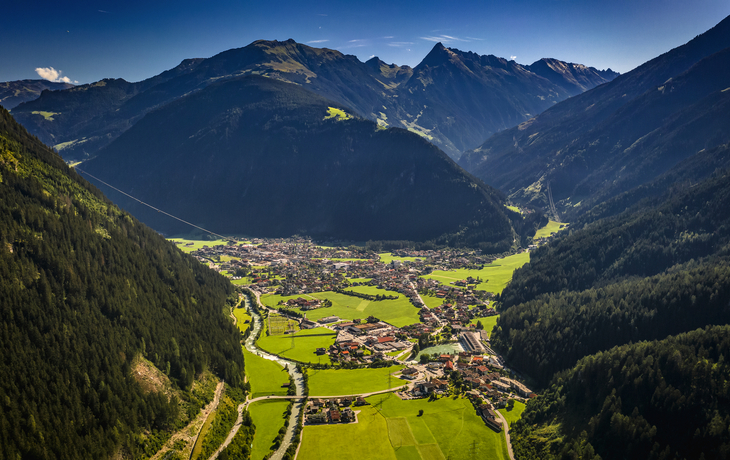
<point x="337" y="114"/>
<point x="198" y="448"/>
<point x="197" y="244"/>
<point x="391" y="428"/>
<point x="300" y="346"/>
<point x="513" y="208"/>
<point x="359" y="280"/>
<point x="496" y="274"/>
<point x="388" y="257"/>
<point x="47" y="115"/>
<point x="549" y="229"/>
<point x="265" y="377"/>
<point x="514" y="414"/>
<point x="331" y="382"/>
<point x="241" y="318"/>
<point x="277" y="324"/>
<point x="488" y="322"/>
<point x="398" y="312"/>
<point x="268" y="418"/>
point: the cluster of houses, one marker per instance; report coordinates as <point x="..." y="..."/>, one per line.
<point x="319" y="411"/>
<point x="365" y="341"/>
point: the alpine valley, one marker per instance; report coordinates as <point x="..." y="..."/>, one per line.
<point x="470" y="258"/>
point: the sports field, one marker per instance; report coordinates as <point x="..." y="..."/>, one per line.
<point x="399" y="312"/>
<point x="549" y="229"/>
<point x="300" y="346"/>
<point x="335" y="382"/>
<point x="268" y="418"/>
<point x="497" y="274"/>
<point x="265" y="377"/>
<point x="391" y="428"/>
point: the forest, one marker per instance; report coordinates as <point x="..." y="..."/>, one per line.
<point x="87" y="289"/>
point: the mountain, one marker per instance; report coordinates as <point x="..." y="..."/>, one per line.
<point x="90" y="298"/>
<point x="255" y="155"/>
<point x="16" y="92"/>
<point x="617" y="136"/>
<point x="654" y="400"/>
<point x="454" y="99"/>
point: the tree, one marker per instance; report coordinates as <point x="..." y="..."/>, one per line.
<point x="420" y="412"/>
<point x="480" y="326"/>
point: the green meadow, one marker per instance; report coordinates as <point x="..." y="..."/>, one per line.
<point x="549" y="229"/>
<point x="514" y="414"/>
<point x="241" y="318"/>
<point x="334" y="382"/>
<point x="388" y="257"/>
<point x="268" y="417"/>
<point x="265" y="376"/>
<point x="391" y="428"/>
<point x="197" y="244"/>
<point x="399" y="312"/>
<point x="488" y="322"/>
<point x="300" y="346"/>
<point x="497" y="274"/>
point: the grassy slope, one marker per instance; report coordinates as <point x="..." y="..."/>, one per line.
<point x="514" y="414"/>
<point x="496" y="274"/>
<point x="268" y="418"/>
<point x="488" y="322"/>
<point x="333" y="382"/>
<point x="300" y="346"/>
<point x="549" y="229"/>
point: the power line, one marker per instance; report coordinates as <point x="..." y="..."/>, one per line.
<point x="149" y="205"/>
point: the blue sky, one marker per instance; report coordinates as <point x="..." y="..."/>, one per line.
<point x="86" y="41"/>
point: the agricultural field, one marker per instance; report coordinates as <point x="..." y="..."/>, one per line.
<point x="549" y="229"/>
<point x="488" y="322"/>
<point x="278" y="325"/>
<point x="300" y="346"/>
<point x="391" y="428"/>
<point x="513" y="415"/>
<point x="197" y="244"/>
<point x="335" y="382"/>
<point x="388" y="257"/>
<point x="268" y="418"/>
<point x="495" y="276"/>
<point x="265" y="376"/>
<point x="398" y="312"/>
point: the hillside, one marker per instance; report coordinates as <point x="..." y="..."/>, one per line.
<point x="16" y="92"/>
<point x="86" y="291"/>
<point x="258" y="156"/>
<point x="653" y="400"/>
<point x="454" y="99"/>
<point x="617" y="136"/>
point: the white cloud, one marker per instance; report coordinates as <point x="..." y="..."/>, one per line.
<point x="388" y="37"/>
<point x="399" y="44"/>
<point x="317" y="41"/>
<point x="51" y="74"/>
<point x="443" y="38"/>
<point x="512" y="58"/>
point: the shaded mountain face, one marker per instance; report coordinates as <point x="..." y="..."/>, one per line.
<point x="86" y="291"/>
<point x="254" y="155"/>
<point x="617" y="136"/>
<point x="453" y="99"/>
<point x="13" y="93"/>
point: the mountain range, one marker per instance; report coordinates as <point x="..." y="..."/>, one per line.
<point x="13" y="93"/>
<point x="454" y="99"/>
<point x="617" y="136"/>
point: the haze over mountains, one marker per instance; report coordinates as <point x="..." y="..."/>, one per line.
<point x="455" y="99"/>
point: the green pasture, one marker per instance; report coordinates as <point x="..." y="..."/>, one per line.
<point x="549" y="229"/>
<point x="241" y="318"/>
<point x="335" y="382"/>
<point x="47" y="115"/>
<point x="391" y="429"/>
<point x="514" y="414"/>
<point x="266" y="377"/>
<point x="388" y="257"/>
<point x="337" y="114"/>
<point x="359" y="280"/>
<point x="488" y="322"/>
<point x="513" y="208"/>
<point x="300" y="346"/>
<point x="399" y="312"/>
<point x="268" y="418"/>
<point x="197" y="244"/>
<point x="497" y="274"/>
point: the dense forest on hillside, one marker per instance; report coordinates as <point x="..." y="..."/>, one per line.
<point x="87" y="288"/>
<point x="666" y="399"/>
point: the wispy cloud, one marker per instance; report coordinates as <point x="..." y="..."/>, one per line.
<point x="102" y="11"/>
<point x="51" y="74"/>
<point x="400" y="44"/>
<point x="389" y="37"/>
<point x="317" y="41"/>
<point x="512" y="58"/>
<point x="443" y="38"/>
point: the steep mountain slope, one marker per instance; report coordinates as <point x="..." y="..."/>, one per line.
<point x="619" y="135"/>
<point x="373" y="90"/>
<point x="86" y="291"/>
<point x="254" y="155"/>
<point x="650" y="400"/>
<point x="13" y="93"/>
